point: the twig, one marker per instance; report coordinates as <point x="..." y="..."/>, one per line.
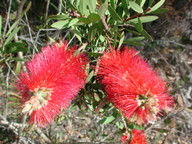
<point x="46" y="139"/>
<point x="137" y="15"/>
<point x="7" y="20"/>
<point x="105" y="24"/>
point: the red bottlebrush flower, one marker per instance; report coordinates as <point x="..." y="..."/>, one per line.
<point x="53" y="78"/>
<point x="136" y="137"/>
<point x="132" y="86"/>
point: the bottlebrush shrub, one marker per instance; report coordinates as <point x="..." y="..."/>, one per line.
<point x="136" y="137"/>
<point x="132" y="86"/>
<point x="53" y="78"/>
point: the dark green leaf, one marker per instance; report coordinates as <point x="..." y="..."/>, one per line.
<point x="16" y="47"/>
<point x="160" y="11"/>
<point x="146" y="35"/>
<point x="94" y="17"/>
<point x="113" y="13"/>
<point x="150" y="3"/>
<point x="85" y="20"/>
<point x="125" y="6"/>
<point x="138" y="26"/>
<point x="95" y="54"/>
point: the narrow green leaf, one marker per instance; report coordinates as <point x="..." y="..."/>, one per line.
<point x="146" y="35"/>
<point x="135" y="7"/>
<point x="125" y="6"/>
<point x="160" y="11"/>
<point x="134" y="43"/>
<point x="157" y="5"/>
<point x="114" y="14"/>
<point x="17" y="59"/>
<point x="138" y="26"/>
<point x="142" y="3"/>
<point x="136" y="39"/>
<point x="95" y="54"/>
<point x="94" y="17"/>
<point x="60" y="24"/>
<point x="103" y="9"/>
<point x="58" y="17"/>
<point x="11" y="28"/>
<point x="121" y="40"/>
<point x="144" y="19"/>
<point x="150" y="3"/>
<point x="107" y="120"/>
<point x="11" y="35"/>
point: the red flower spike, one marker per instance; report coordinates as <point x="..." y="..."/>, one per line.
<point x="132" y="86"/>
<point x="136" y="137"/>
<point x="52" y="80"/>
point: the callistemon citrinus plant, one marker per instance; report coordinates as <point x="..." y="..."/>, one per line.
<point x="53" y="78"/>
<point x="132" y="86"/>
<point x="134" y="137"/>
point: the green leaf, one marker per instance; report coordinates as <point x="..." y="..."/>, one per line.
<point x="114" y="14"/>
<point x="121" y="40"/>
<point x="60" y="24"/>
<point x="138" y="127"/>
<point x="95" y="54"/>
<point x="135" y="7"/>
<point x="103" y="9"/>
<point x="146" y="35"/>
<point x="16" y="47"/>
<point x="142" y="3"/>
<point x="136" y="39"/>
<point x="157" y="5"/>
<point x="11" y="35"/>
<point x="85" y="20"/>
<point x="119" y="125"/>
<point x="92" y="5"/>
<point x="17" y="59"/>
<point x="11" y="28"/>
<point x="138" y="26"/>
<point x="107" y="120"/>
<point x="150" y="3"/>
<point x="83" y="7"/>
<point x="160" y="11"/>
<point x="125" y="6"/>
<point x="134" y="43"/>
<point x="73" y="22"/>
<point x="94" y="17"/>
<point x="144" y="19"/>
<point x="58" y="17"/>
